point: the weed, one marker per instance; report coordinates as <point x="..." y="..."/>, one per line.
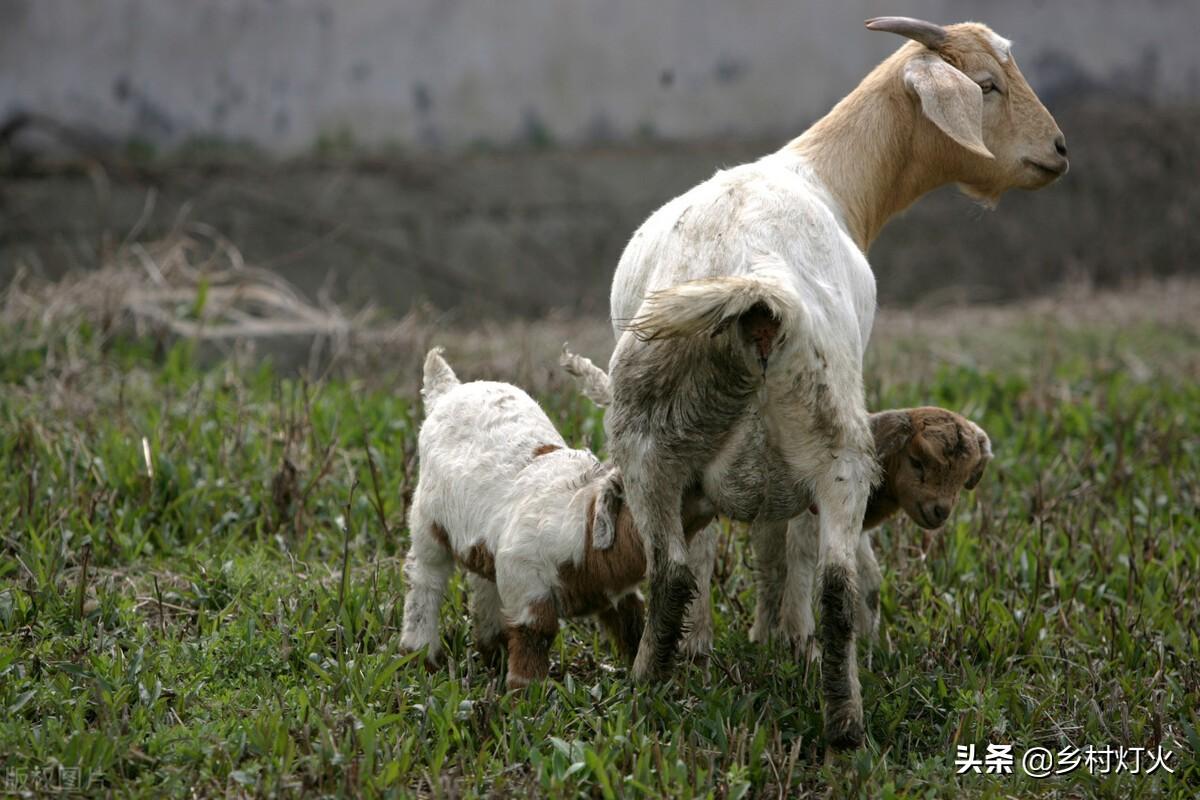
<point x="194" y="598"/>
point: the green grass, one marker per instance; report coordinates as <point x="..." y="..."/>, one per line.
<point x="184" y="624"/>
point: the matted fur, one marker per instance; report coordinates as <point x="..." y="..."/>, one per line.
<point x="839" y="678"/>
<point x="705" y="306"/>
<point x="953" y="451"/>
<point x="796" y="224"/>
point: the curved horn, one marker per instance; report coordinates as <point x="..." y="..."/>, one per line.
<point x="928" y="34"/>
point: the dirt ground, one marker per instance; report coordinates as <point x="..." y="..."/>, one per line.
<point x="530" y="233"/>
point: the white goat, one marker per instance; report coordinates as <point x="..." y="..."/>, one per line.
<point x="763" y="264"/>
<point x="541" y="529"/>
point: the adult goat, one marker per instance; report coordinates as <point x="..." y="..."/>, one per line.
<point x="763" y="265"/>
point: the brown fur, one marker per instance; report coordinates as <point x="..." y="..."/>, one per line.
<point x="529" y="646"/>
<point x="951" y="458"/>
<point x="478" y="559"/>
<point x="586" y="586"/>
<point x="878" y="153"/>
<point x="543" y="449"/>
<point x="439" y="533"/>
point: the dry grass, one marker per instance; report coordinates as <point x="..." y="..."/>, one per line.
<point x="191" y="284"/>
<point x="194" y="284"/>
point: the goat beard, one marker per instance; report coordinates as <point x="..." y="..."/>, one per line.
<point x="981" y="196"/>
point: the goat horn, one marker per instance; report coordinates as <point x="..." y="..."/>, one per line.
<point x="928" y="34"/>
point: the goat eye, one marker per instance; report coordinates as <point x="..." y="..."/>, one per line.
<point x="987" y="85"/>
<point x="916" y="464"/>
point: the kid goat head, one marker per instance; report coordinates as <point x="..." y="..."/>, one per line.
<point x="928" y="455"/>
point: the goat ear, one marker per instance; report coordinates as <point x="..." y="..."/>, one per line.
<point x="893" y="430"/>
<point x="608" y="509"/>
<point x="950" y="100"/>
<point x="985" y="455"/>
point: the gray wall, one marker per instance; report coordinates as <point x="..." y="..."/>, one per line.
<point x="443" y="74"/>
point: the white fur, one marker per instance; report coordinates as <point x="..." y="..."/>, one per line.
<point x="593" y="381"/>
<point x="770" y="218"/>
<point x="799" y="560"/>
<point x="774" y="220"/>
<point x="798" y="220"/>
<point x="481" y="482"/>
<point x="1001" y="46"/>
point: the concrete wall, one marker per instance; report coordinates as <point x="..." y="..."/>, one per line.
<point x="443" y="74"/>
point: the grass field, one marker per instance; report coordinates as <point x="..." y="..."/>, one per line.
<point x="200" y="584"/>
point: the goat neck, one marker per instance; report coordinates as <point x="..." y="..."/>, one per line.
<point x="871" y="151"/>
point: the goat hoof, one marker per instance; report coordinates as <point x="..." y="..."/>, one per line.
<point x="698" y="646"/>
<point x="846" y="734"/>
<point x="649" y="668"/>
<point x="696" y="651"/>
<point x="807" y="649"/>
<point x="492" y="655"/>
<point x="432" y="661"/>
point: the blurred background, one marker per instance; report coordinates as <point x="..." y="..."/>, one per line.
<point x="490" y="159"/>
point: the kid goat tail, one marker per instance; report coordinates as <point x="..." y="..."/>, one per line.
<point x="591" y="380"/>
<point x="439" y="379"/>
<point x="709" y="305"/>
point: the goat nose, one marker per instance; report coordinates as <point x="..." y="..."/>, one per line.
<point x="941" y="512"/>
<point x="1060" y="145"/>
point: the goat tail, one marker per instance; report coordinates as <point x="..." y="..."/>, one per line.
<point x="708" y="305"/>
<point x="590" y="379"/>
<point x="438" y="380"/>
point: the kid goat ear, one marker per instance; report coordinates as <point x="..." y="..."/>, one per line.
<point x="893" y="430"/>
<point x="608" y="510"/>
<point x="985" y="455"/>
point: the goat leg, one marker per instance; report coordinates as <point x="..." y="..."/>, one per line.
<point x="870" y="581"/>
<point x="625" y="623"/>
<point x="796" y="621"/>
<point x="529" y="642"/>
<point x="672" y="588"/>
<point x="839" y="669"/>
<point x="769" y="540"/>
<point x="487" y="622"/>
<point x="698" y="625"/>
